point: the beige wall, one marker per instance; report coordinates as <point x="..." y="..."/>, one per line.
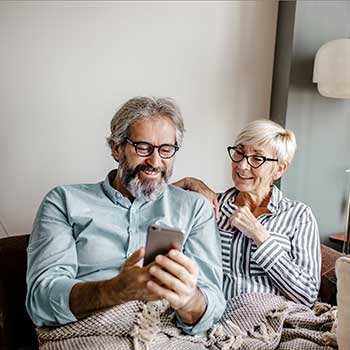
<point x="66" y="67"/>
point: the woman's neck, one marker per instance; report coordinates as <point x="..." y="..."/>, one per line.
<point x="256" y="202"/>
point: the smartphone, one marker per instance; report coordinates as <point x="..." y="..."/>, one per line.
<point x="160" y="240"/>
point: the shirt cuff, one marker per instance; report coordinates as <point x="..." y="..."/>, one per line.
<point x="267" y="254"/>
<point x="60" y="300"/>
<point x="211" y="314"/>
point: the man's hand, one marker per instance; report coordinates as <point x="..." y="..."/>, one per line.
<point x="130" y="283"/>
<point x="196" y="185"/>
<point x="87" y="298"/>
<point x="176" y="281"/>
<point x="246" y="222"/>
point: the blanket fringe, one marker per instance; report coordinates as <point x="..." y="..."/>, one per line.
<point x="279" y="312"/>
<point x="148" y="323"/>
<point x="264" y="333"/>
<point x="227" y="342"/>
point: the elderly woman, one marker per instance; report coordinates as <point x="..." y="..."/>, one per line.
<point x="270" y="244"/>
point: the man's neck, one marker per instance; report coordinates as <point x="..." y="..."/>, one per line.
<point x="117" y="184"/>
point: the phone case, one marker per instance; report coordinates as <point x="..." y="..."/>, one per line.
<point x="160" y="240"/>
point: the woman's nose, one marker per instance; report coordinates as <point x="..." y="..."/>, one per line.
<point x="243" y="164"/>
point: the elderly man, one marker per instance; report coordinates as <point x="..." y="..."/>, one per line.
<point x="88" y="240"/>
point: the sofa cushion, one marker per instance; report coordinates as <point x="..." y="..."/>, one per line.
<point x="328" y="289"/>
<point x="15" y="319"/>
<point x="343" y="297"/>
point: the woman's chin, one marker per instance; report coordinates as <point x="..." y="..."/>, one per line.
<point x="244" y="186"/>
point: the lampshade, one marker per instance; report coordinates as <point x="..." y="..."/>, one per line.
<point x="332" y="69"/>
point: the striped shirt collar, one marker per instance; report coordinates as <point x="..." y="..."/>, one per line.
<point x="276" y="197"/>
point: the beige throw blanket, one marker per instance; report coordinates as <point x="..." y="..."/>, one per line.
<point x="250" y="322"/>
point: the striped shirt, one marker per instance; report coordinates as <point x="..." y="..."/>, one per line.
<point x="287" y="263"/>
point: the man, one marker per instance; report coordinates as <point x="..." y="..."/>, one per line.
<point x="87" y="244"/>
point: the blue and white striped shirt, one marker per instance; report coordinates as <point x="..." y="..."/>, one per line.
<point x="288" y="263"/>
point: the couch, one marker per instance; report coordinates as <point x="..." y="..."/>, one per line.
<point x="17" y="332"/>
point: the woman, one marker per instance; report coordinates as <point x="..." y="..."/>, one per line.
<point x="270" y="244"/>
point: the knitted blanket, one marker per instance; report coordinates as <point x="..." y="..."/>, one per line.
<point x="250" y="322"/>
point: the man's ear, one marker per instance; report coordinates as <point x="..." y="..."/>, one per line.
<point x="279" y="171"/>
<point x="115" y="151"/>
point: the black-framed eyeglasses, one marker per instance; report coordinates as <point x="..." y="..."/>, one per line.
<point x="145" y="149"/>
<point x="255" y="161"/>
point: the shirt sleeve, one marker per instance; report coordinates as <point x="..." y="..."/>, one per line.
<point x="52" y="263"/>
<point x="296" y="273"/>
<point x="203" y="245"/>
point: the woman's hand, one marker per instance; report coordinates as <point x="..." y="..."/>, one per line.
<point x="196" y="185"/>
<point x="246" y="222"/>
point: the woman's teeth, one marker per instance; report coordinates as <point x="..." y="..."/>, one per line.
<point x="244" y="177"/>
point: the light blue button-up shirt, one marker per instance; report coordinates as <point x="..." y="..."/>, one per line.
<point x="85" y="233"/>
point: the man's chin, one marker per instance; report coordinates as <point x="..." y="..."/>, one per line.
<point x="147" y="189"/>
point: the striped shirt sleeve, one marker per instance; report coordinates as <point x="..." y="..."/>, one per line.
<point x="295" y="273"/>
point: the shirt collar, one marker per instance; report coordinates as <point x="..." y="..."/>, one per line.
<point x="272" y="206"/>
<point x="276" y="197"/>
<point x="114" y="195"/>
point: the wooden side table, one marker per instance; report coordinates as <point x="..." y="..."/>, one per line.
<point x="337" y="237"/>
<point x="340" y="238"/>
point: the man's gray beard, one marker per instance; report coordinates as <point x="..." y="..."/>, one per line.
<point x="147" y="190"/>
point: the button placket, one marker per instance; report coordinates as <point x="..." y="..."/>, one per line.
<point x="133" y="239"/>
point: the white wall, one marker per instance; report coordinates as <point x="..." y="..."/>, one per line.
<point x="66" y="67"/>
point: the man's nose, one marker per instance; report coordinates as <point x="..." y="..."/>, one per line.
<point x="154" y="159"/>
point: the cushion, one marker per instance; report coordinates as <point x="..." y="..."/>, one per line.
<point x="328" y="289"/>
<point x="15" y="319"/>
<point x="343" y="296"/>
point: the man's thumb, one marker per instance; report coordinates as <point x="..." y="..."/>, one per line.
<point x="135" y="257"/>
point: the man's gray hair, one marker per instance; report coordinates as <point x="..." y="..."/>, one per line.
<point x="141" y="108"/>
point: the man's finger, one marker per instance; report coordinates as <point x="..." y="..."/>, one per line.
<point x="182" y="260"/>
<point x="135" y="257"/>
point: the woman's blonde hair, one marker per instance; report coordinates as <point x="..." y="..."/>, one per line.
<point x="265" y="132"/>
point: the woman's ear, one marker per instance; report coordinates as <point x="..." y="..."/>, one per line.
<point x="115" y="151"/>
<point x="279" y="171"/>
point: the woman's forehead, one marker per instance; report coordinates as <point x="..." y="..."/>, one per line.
<point x="256" y="148"/>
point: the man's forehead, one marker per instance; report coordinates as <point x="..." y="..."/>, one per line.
<point x="150" y="128"/>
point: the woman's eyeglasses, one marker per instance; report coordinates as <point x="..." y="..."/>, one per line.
<point x="254" y="161"/>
